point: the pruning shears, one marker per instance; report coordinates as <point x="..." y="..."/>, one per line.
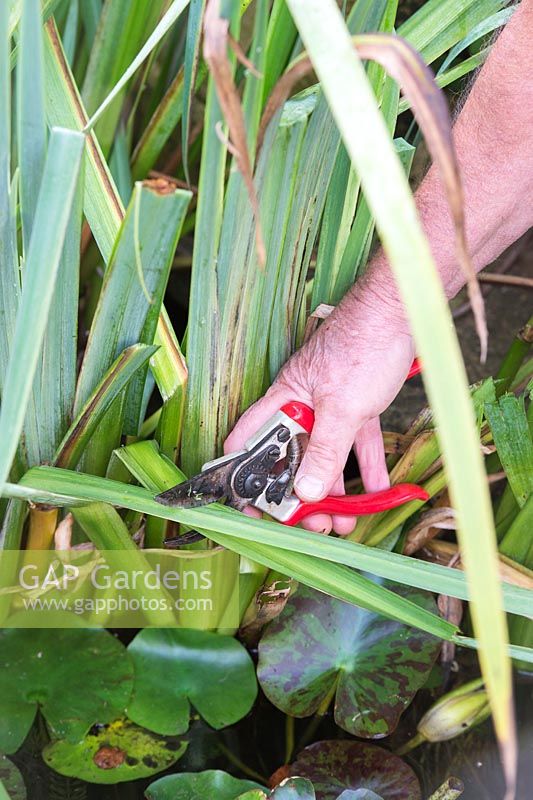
<point x="262" y="475"/>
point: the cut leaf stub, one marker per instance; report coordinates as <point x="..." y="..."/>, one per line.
<point x="377" y="664"/>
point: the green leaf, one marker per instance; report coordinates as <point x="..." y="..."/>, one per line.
<point x="282" y="35"/>
<point x="172" y="667"/>
<point x="270" y="539"/>
<point x="129" y="304"/>
<point x="41" y="668"/>
<point x="9" y="272"/>
<point x="335" y="766"/>
<point x="30" y="114"/>
<point x="198" y="786"/>
<point x="514" y="443"/>
<point x="517" y="543"/>
<point x="440" y="24"/>
<point x="192" y="53"/>
<point x="123" y="29"/>
<point x="200" y="440"/>
<point x="387" y="192"/>
<point x="12" y="780"/>
<point x="91" y="414"/>
<point x="319" y="646"/>
<point x="114" y="753"/>
<point x="359" y="794"/>
<point x="53" y="210"/>
<point x="70" y="34"/>
<point x="50" y="408"/>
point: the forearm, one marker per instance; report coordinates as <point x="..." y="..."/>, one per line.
<point x="492" y="137"/>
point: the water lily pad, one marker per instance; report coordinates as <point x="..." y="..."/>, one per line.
<point x="213" y="784"/>
<point x="359" y="794"/>
<point x="121" y="751"/>
<point x="12" y="780"/>
<point x="174" y="666"/>
<point x="294" y="789"/>
<point x="335" y="766"/>
<point x="77" y="676"/>
<point x="289" y="789"/>
<point x="377" y="664"/>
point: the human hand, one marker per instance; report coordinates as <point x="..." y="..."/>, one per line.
<point x="349" y="372"/>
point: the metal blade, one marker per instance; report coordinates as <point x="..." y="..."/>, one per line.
<point x="206" y="487"/>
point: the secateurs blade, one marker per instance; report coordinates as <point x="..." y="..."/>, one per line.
<point x="262" y="475"/>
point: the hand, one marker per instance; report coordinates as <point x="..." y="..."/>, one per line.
<point x="349" y="372"/>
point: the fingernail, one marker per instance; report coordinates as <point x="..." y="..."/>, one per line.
<point x="309" y="487"/>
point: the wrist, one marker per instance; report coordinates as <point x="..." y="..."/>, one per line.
<point x="375" y="299"/>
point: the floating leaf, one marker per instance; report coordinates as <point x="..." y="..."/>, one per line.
<point x="76" y="676"/>
<point x="338" y="765"/>
<point x="212" y="783"/>
<point x="114" y="753"/>
<point x="294" y="789"/>
<point x="359" y="794"/>
<point x="12" y="780"/>
<point x="173" y="666"/>
<point x="319" y="643"/>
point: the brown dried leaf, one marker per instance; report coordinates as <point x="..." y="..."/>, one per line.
<point x="427" y="527"/>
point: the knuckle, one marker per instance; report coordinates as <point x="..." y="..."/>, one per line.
<point x="325" y="454"/>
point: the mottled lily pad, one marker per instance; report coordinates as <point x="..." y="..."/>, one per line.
<point x="336" y="766"/>
<point x="121" y="751"/>
<point x="12" y="780"/>
<point x="77" y="676"/>
<point x="376" y="663"/>
<point x="213" y="784"/>
<point x="174" y="666"/>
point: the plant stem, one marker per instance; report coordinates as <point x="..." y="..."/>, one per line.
<point x="450" y="790"/>
<point x="289" y="738"/>
<point x="411" y="744"/>
<point x="317" y="718"/>
<point x="244" y="768"/>
<point x="515" y="355"/>
<point x="43" y="523"/>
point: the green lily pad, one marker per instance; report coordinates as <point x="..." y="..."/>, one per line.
<point x="12" y="780"/>
<point x="359" y="794"/>
<point x="174" y="666"/>
<point x="377" y="664"/>
<point x="77" y="676"/>
<point x="121" y="751"/>
<point x="335" y="766"/>
<point x="213" y="784"/>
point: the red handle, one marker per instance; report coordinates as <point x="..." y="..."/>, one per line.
<point x="359" y="504"/>
<point x="414" y="369"/>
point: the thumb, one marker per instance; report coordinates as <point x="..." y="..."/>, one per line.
<point x="326" y="453"/>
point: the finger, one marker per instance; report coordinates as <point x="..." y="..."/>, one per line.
<point x="252" y="511"/>
<point x="370" y="454"/>
<point x="318" y="523"/>
<point x="254" y="418"/>
<point x="326" y="454"/>
<point x="341" y="524"/>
